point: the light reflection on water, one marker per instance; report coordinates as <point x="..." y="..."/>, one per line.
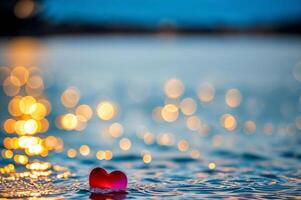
<point x="226" y="140"/>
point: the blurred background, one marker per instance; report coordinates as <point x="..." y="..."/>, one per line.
<point x="193" y="99"/>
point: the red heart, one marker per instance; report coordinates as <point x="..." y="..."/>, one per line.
<point x="99" y="178"/>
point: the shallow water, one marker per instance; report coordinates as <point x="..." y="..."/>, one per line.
<point x="229" y="164"/>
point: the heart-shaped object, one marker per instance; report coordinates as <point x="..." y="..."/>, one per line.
<point x="101" y="179"/>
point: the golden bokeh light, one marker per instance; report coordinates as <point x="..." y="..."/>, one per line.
<point x="250" y="127"/>
<point x="206" y="92"/>
<point x="116" y="130"/>
<point x="70" y="97"/>
<point x="170" y="113"/>
<point x="37" y="111"/>
<point x="148" y="138"/>
<point x="147" y="158"/>
<point x="21" y="159"/>
<point x="26" y="104"/>
<point x="13" y="107"/>
<point x="8" y="125"/>
<point x="233" y="98"/>
<point x="125" y="144"/>
<point x="229" y="122"/>
<point x="69" y="121"/>
<point x="21" y="73"/>
<point x="100" y="155"/>
<point x="30" y="126"/>
<point x="173" y="88"/>
<point x="7" y="153"/>
<point x="183" y="145"/>
<point x="193" y="123"/>
<point x="211" y="165"/>
<point x="84" y="150"/>
<point x="188" y="106"/>
<point x="106" y="110"/>
<point x="71" y="153"/>
<point x="84" y="111"/>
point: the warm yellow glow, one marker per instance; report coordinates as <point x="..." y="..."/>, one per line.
<point x="125" y="144"/>
<point x="183" y="145"/>
<point x="106" y="110"/>
<point x="233" y="98"/>
<point x="28" y="141"/>
<point x="173" y="88"/>
<point x="26" y="103"/>
<point x="212" y="165"/>
<point x="71" y="153"/>
<point x="108" y="155"/>
<point x="116" y="130"/>
<point x="84" y="150"/>
<point x="34" y="86"/>
<point x="165" y="139"/>
<point x="100" y="155"/>
<point x="84" y="111"/>
<point x="206" y="92"/>
<point x="24" y="8"/>
<point x="69" y="121"/>
<point x="13" y="106"/>
<point x="250" y="126"/>
<point x="22" y="159"/>
<point x="229" y="122"/>
<point x="43" y="125"/>
<point x="38" y="111"/>
<point x="51" y="142"/>
<point x="40" y="166"/>
<point x="34" y="149"/>
<point x="47" y="105"/>
<point x="170" y="113"/>
<point x="7" y="154"/>
<point x="30" y="126"/>
<point x="193" y="123"/>
<point x="188" y="106"/>
<point x="70" y="97"/>
<point x="147" y="158"/>
<point x="19" y="127"/>
<point x="9" y="125"/>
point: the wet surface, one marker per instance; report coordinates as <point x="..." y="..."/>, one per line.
<point x="215" y="160"/>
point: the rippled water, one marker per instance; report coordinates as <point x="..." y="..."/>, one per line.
<point x="247" y="166"/>
<point x="240" y="174"/>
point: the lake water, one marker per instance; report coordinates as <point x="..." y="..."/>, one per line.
<point x="250" y="150"/>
